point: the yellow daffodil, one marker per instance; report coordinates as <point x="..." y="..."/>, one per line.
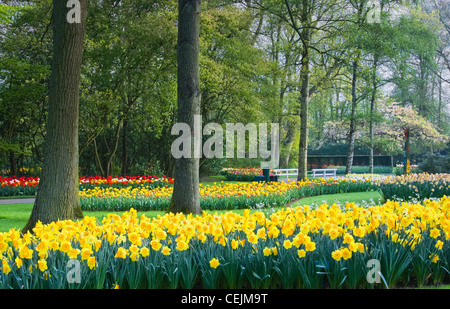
<point x="214" y="263"/>
<point x="337" y="255"/>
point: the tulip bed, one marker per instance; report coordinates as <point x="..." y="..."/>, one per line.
<point x="302" y="247"/>
<point x="243" y="174"/>
<point x="17" y="186"/>
<point x="242" y="195"/>
<point x="219" y="196"/>
<point x="145" y="193"/>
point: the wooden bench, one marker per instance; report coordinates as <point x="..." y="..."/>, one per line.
<point x="324" y="171"/>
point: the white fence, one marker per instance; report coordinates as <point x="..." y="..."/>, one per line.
<point x="324" y="171"/>
<point x="284" y="173"/>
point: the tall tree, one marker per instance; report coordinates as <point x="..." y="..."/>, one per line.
<point x="23" y="83"/>
<point x="57" y="196"/>
<point x="310" y="19"/>
<point x="359" y="7"/>
<point x="305" y="36"/>
<point x="129" y="60"/>
<point x="186" y="195"/>
<point x="365" y="42"/>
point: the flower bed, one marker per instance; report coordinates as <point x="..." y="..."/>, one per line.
<point x="243" y="174"/>
<point x="241" y="195"/>
<point x="153" y="193"/>
<point x="301" y="247"/>
<point x="414" y="186"/>
<point x="221" y="196"/>
<point x="16" y="186"/>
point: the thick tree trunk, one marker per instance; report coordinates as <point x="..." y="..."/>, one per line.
<point x="186" y="196"/>
<point x="57" y="196"/>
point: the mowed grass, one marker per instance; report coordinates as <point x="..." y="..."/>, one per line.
<point x="369" y="198"/>
<point x="16" y="215"/>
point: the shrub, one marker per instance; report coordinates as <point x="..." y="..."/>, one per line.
<point x="435" y="164"/>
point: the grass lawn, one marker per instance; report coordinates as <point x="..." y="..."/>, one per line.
<point x="16" y="215"/>
<point x="361" y="198"/>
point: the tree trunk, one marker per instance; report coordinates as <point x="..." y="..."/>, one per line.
<point x="124" y="169"/>
<point x="112" y="153"/>
<point x="98" y="161"/>
<point x="406" y="167"/>
<point x="440" y="104"/>
<point x="352" y="131"/>
<point x="304" y="102"/>
<point x="57" y="196"/>
<point x="12" y="163"/>
<point x="186" y="196"/>
<point x="292" y="127"/>
<point x="372" y="110"/>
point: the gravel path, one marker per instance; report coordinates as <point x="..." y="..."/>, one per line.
<point x="16" y="201"/>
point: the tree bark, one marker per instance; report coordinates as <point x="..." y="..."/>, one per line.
<point x="292" y="127"/>
<point x="352" y="131"/>
<point x="186" y="196"/>
<point x="12" y="163"/>
<point x="98" y="161"/>
<point x="124" y="169"/>
<point x="304" y="102"/>
<point x="439" y="112"/>
<point x="112" y="152"/>
<point x="57" y="196"/>
<point x="372" y="111"/>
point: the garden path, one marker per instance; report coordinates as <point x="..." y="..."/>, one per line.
<point x="16" y="200"/>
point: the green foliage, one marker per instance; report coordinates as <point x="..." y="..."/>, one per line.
<point x="6" y="13"/>
<point x="24" y="75"/>
<point x="249" y="63"/>
<point x="435" y="164"/>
